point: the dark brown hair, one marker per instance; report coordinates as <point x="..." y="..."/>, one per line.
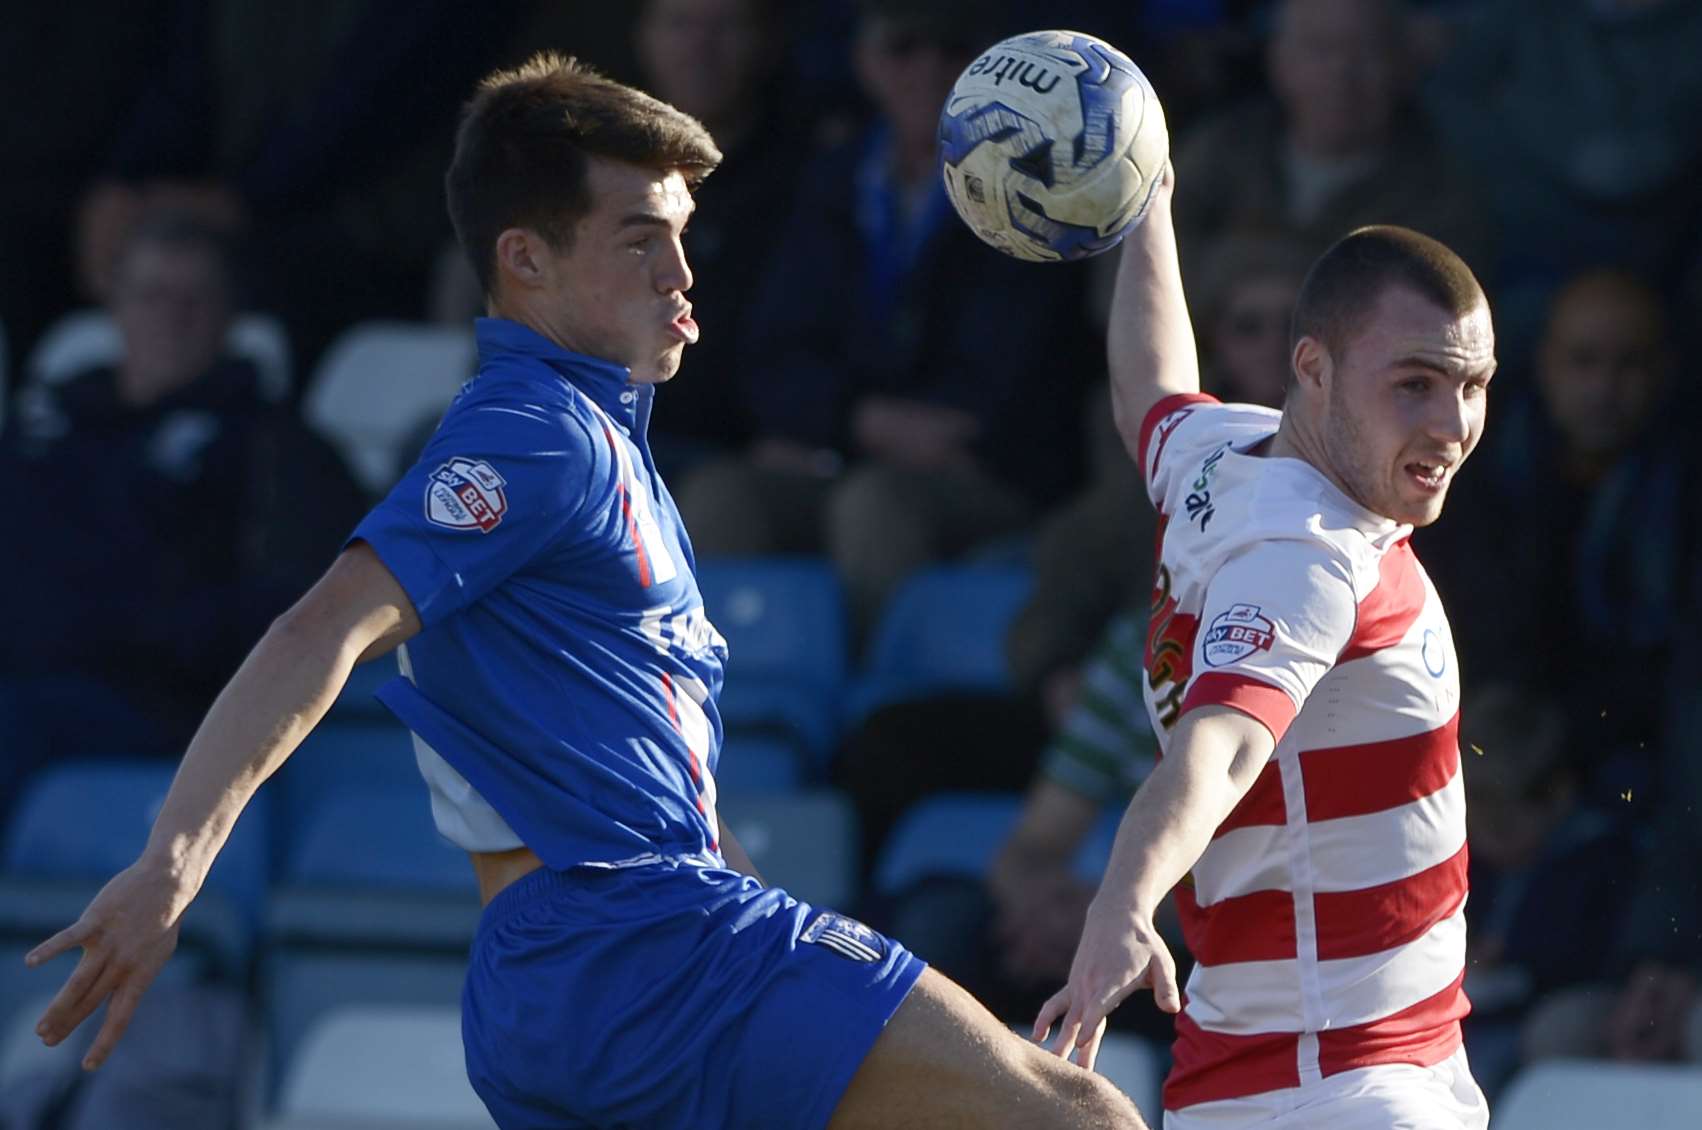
<point x="525" y="142"/>
<point x="1349" y="279"/>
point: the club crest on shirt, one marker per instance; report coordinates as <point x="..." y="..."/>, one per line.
<point x="466" y="494"/>
<point x="1236" y="634"/>
<point x="846" y="937"/>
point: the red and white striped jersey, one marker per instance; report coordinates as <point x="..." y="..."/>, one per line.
<point x="1326" y="916"/>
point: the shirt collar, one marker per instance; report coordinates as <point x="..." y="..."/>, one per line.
<point x="608" y="385"/>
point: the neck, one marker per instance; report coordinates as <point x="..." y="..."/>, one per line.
<point x="1296" y="439"/>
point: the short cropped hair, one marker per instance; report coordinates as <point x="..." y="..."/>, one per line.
<point x="1349" y="279"/>
<point x="525" y="144"/>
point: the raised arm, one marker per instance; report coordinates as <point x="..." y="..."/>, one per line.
<point x="1150" y="338"/>
<point x="357" y="611"/>
<point x="1216" y="753"/>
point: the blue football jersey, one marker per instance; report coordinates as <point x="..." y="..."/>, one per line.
<point x="564" y="667"/>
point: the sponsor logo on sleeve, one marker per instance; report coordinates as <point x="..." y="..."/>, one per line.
<point x="846" y="937"/>
<point x="1237" y="634"/>
<point x="466" y="494"/>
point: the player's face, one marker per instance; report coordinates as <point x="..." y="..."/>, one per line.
<point x="1406" y="405"/>
<point x="618" y="291"/>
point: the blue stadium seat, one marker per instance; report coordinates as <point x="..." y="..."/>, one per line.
<point x="343" y="753"/>
<point x="784" y="622"/>
<point x="805" y="843"/>
<point x="374" y="838"/>
<point x="88" y="820"/>
<point x="756" y="765"/>
<point x="1562" y="1093"/>
<point x="958" y="834"/>
<point x="943" y="630"/>
<point x="951" y="834"/>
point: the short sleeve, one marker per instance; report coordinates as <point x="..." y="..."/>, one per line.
<point x="1159" y="452"/>
<point x="495" y="486"/>
<point x="1274" y="621"/>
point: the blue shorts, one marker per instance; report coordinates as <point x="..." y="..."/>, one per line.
<point x="673" y="995"/>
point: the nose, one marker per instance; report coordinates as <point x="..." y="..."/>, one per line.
<point x="1452" y="417"/>
<point x="674" y="273"/>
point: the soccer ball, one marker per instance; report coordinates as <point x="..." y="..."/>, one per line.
<point x="1051" y="144"/>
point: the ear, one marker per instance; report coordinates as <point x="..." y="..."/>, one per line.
<point x="1313" y="366"/>
<point x="520" y="257"/>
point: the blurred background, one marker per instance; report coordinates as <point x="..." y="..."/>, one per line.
<point x="231" y="311"/>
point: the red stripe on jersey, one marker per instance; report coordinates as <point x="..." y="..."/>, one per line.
<point x="637" y="541"/>
<point x="1269" y="706"/>
<point x="1358" y="923"/>
<point x="1354" y="780"/>
<point x="1262" y="806"/>
<point x="1254" y="927"/>
<point x="1211" y="1065"/>
<point x="1423" y="1034"/>
<point x="1389" y="610"/>
<point x="1158" y="412"/>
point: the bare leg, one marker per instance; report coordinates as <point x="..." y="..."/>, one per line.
<point x="944" y="1062"/>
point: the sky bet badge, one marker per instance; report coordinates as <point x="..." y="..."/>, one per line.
<point x="465" y="494"/>
<point x="1236" y="634"/>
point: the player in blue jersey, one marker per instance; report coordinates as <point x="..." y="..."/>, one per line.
<point x="629" y="967"/>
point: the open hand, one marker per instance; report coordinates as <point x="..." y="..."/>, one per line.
<point x="1120" y="951"/>
<point x="126" y="934"/>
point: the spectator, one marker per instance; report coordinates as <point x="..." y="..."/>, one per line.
<point x="1649" y="1004"/>
<point x="1338" y="143"/>
<point x="1580" y="116"/>
<point x="719" y="60"/>
<point x="1587" y="498"/>
<point x="943" y="377"/>
<point x="1541" y="868"/>
<point x="172" y="513"/>
<point x="282" y="121"/>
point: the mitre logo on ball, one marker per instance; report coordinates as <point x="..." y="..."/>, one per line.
<point x="1051" y="144"/>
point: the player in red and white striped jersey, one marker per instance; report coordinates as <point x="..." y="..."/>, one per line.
<point x="1301" y="675"/>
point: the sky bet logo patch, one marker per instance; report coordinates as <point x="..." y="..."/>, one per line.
<point x="1236" y="634"/>
<point x="465" y="494"/>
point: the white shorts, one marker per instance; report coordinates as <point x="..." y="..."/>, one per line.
<point x="1392" y="1096"/>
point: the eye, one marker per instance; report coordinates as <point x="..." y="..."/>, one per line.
<point x="1417" y="386"/>
<point x="640" y="245"/>
<point x="1476" y="388"/>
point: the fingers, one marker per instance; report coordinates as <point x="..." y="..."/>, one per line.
<point x="1056" y="1005"/>
<point x="75" y="999"/>
<point x="117" y="1020"/>
<point x="1087" y="1052"/>
<point x="67" y="939"/>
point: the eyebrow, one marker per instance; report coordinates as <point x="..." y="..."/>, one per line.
<point x="641" y="219"/>
<point x="1413" y="361"/>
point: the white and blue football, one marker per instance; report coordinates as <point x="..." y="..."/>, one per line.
<point x="1051" y="143"/>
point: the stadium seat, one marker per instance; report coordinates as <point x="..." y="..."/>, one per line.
<point x="805" y="843"/>
<point x="342" y="753"/>
<point x="756" y="765"/>
<point x="380" y="1066"/>
<point x="373" y="838"/>
<point x="378" y="385"/>
<point x="1587" y="1094"/>
<point x="951" y="834"/>
<point x="958" y="834"/>
<point x="83" y="339"/>
<point x="944" y="629"/>
<point x="784" y="622"/>
<point x="85" y="821"/>
<point x="304" y="986"/>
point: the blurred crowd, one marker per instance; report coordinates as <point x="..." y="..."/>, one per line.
<point x="877" y="388"/>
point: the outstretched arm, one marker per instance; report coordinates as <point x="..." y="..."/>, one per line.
<point x="1150" y="339"/>
<point x="1216" y="753"/>
<point x="357" y="611"/>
